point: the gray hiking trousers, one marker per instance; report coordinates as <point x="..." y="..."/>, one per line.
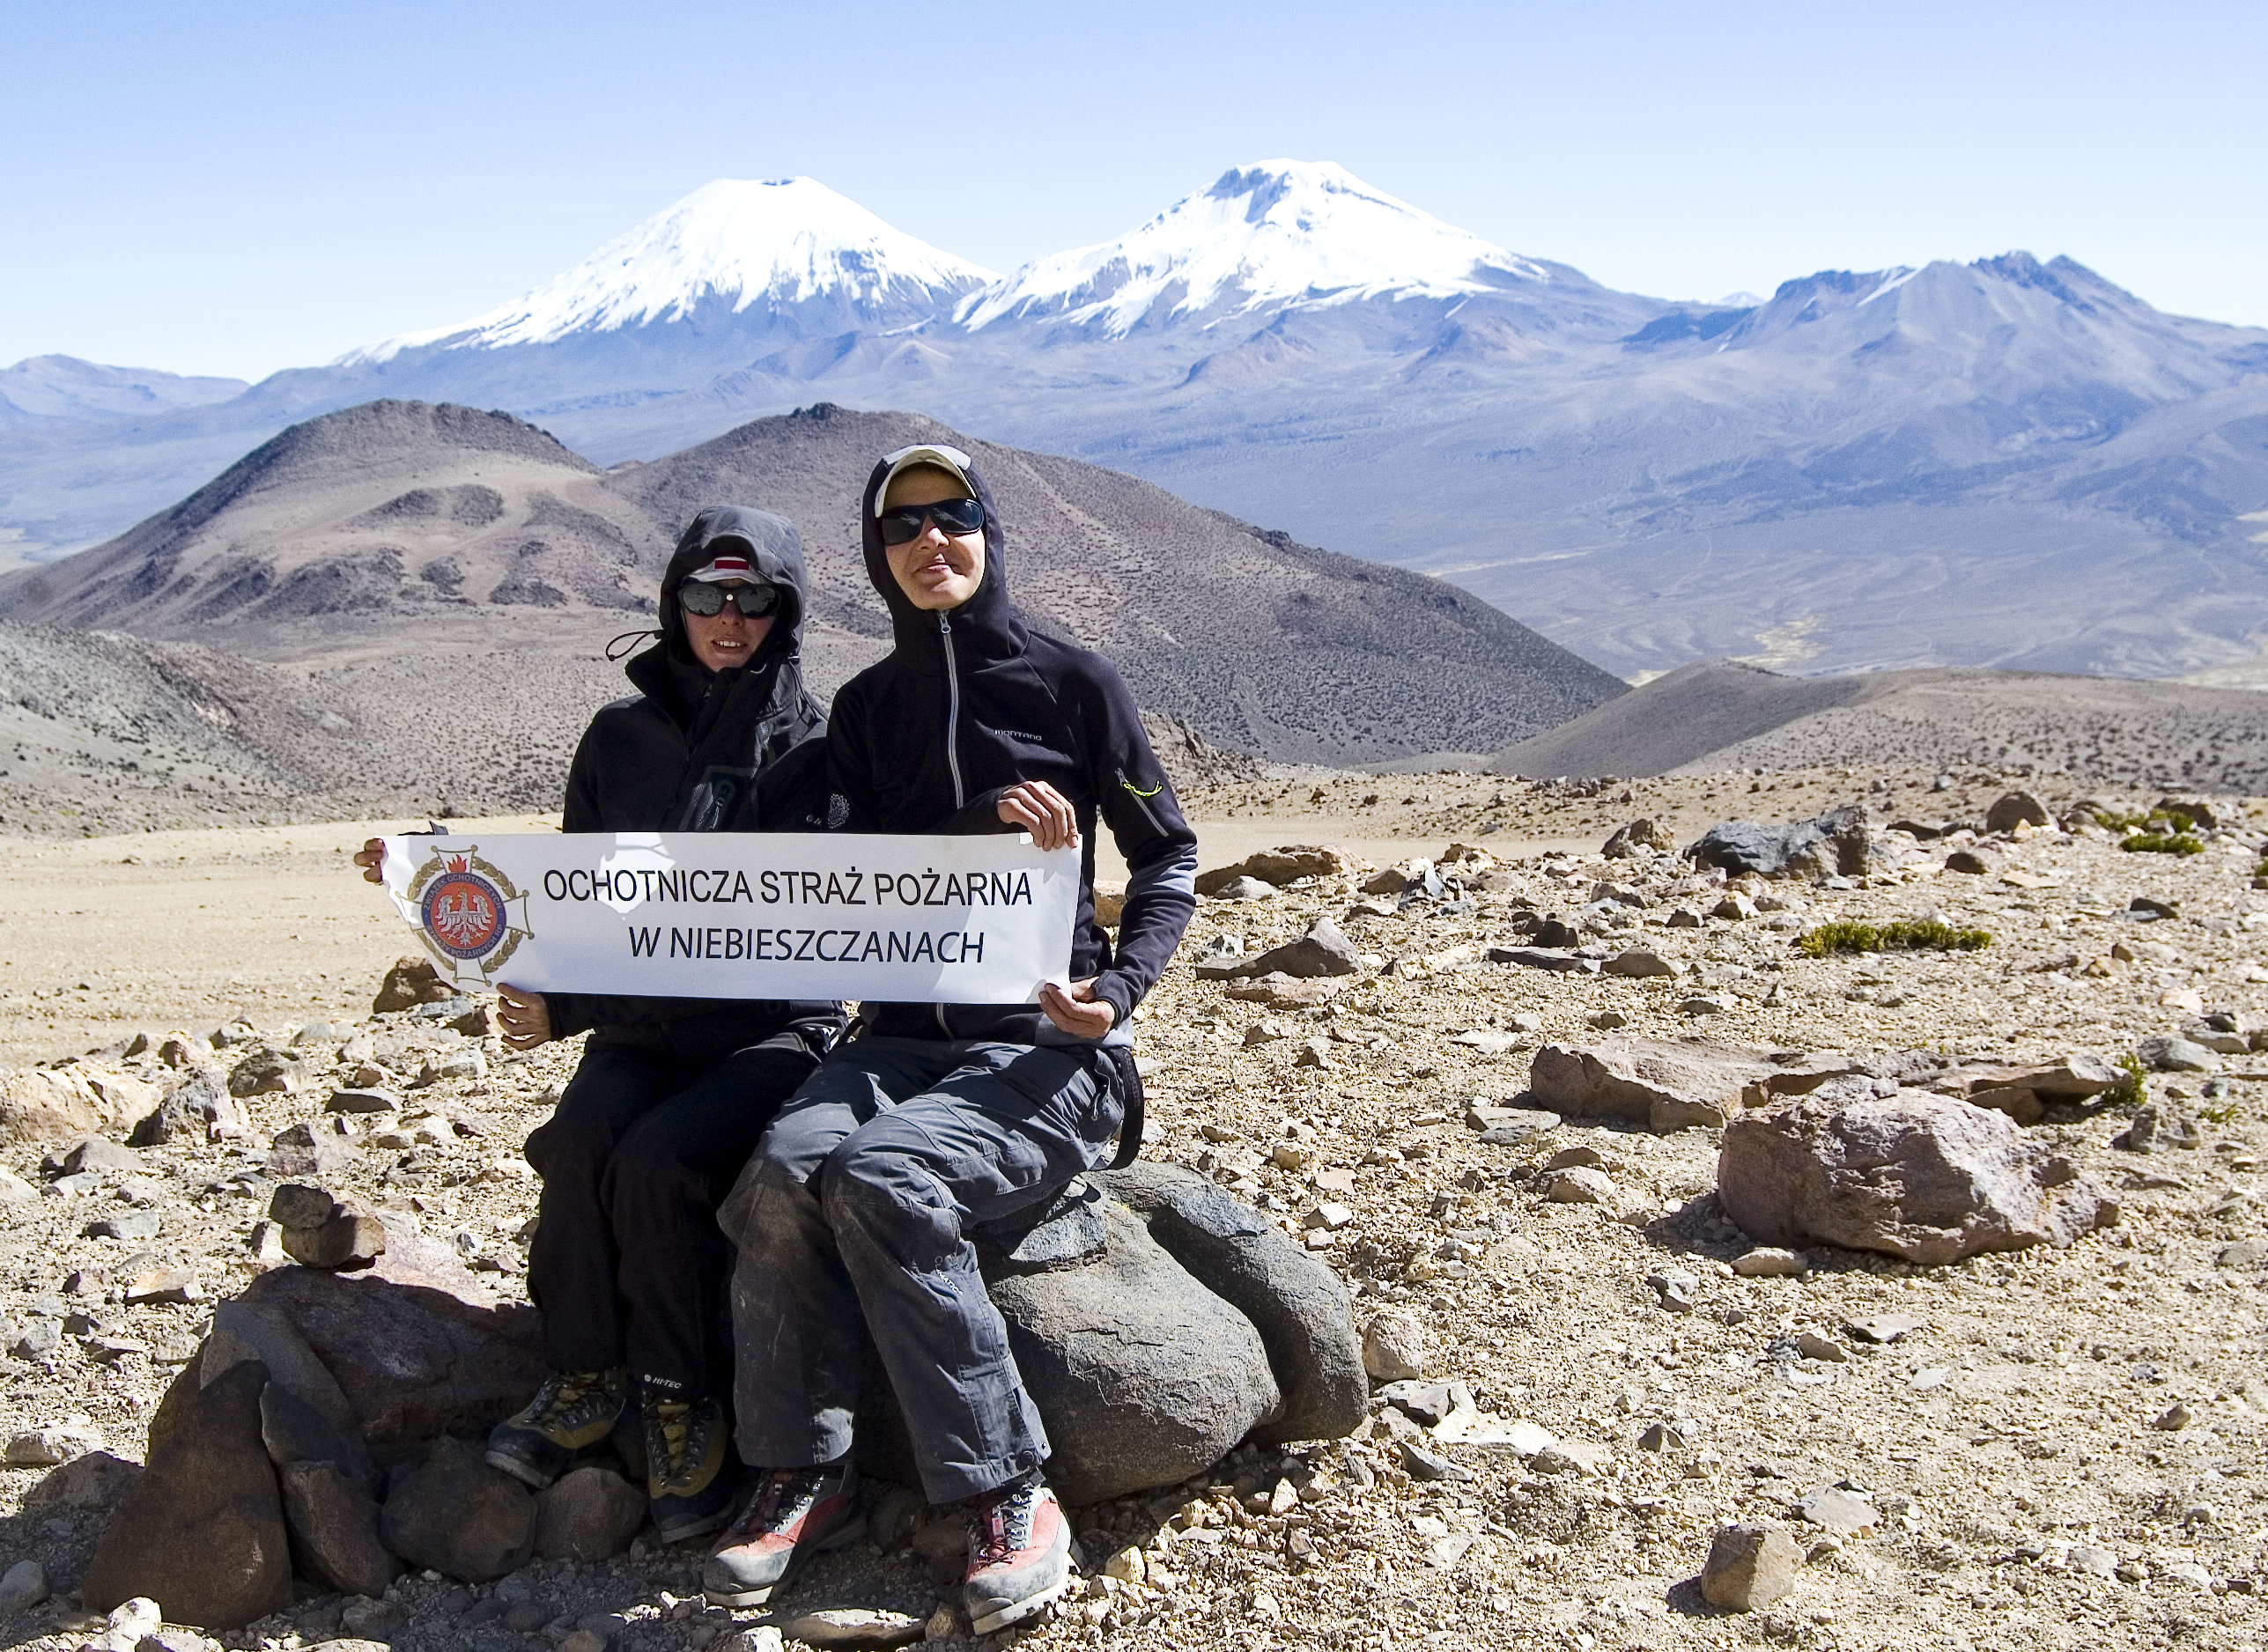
<point x="851" y="1221"/>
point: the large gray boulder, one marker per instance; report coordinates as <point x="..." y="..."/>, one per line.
<point x="1923" y="1177"/>
<point x="450" y="1511"/>
<point x="1298" y="1305"/>
<point x="1839" y="844"/>
<point x="1142" y="1376"/>
<point x="1157" y="1323"/>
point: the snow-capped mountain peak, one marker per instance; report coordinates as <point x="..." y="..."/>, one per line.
<point x="786" y="241"/>
<point x="1268" y="236"/>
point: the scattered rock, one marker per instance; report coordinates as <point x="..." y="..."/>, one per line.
<point x="96" y="1480"/>
<point x="2245" y="1253"/>
<point x="320" y="1232"/>
<point x="1839" y="842"/>
<point x="1916" y="1176"/>
<point x="334" y="1526"/>
<point x="2159" y="1127"/>
<point x="590" y="1514"/>
<point x="1675" y="1291"/>
<point x="1769" y="1261"/>
<point x="1242" y="889"/>
<point x="1324" y="950"/>
<point x="199" y="1108"/>
<point x="1658" y="1083"/>
<point x="410" y="982"/>
<point x="1967" y="862"/>
<point x="202" y="1529"/>
<point x="1638" y="837"/>
<point x="1394" y="1348"/>
<point x="2016" y="808"/>
<point x="1579" y="1185"/>
<point x="304" y="1152"/>
<point x="1639" y="964"/>
<point x="43" y="1447"/>
<point x="294" y="1431"/>
<point x="452" y="1513"/>
<point x="1426" y="1466"/>
<point x="855" y="1625"/>
<point x="1838" y="1510"/>
<point x="1279" y="866"/>
<point x="264" y="1070"/>
<point x="1812" y="1346"/>
<point x="2168" y="1052"/>
<point x="24" y="1587"/>
<point x="1750" y="1567"/>
<point x="371" y="1100"/>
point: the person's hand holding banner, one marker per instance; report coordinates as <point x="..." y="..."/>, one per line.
<point x="920" y="920"/>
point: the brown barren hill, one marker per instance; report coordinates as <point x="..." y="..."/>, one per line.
<point x="450" y="557"/>
<point x="1718" y="715"/>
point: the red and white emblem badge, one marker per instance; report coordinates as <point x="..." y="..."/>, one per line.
<point x="470" y="915"/>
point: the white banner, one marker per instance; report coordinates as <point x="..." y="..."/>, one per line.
<point x="742" y="915"/>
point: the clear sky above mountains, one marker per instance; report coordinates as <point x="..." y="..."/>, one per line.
<point x="233" y="190"/>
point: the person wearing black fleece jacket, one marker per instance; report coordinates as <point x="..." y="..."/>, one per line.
<point x="672" y="1094"/>
<point x="852" y="1218"/>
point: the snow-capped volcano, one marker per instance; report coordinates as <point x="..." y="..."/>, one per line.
<point x="731" y="244"/>
<point x="1265" y="237"/>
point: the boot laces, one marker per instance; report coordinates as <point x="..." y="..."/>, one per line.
<point x="564" y="1390"/>
<point x="779" y="1493"/>
<point x="1003" y="1522"/>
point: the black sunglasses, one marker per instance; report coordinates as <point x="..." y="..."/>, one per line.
<point x="953" y="516"/>
<point x="708" y="601"/>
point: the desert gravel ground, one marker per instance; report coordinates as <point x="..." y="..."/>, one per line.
<point x="2016" y="1446"/>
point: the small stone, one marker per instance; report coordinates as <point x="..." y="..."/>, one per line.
<point x="44" y="1447"/>
<point x="1812" y="1346"/>
<point x="1735" y="907"/>
<point x="855" y="1627"/>
<point x="1639" y="964"/>
<point x="1427" y="1465"/>
<point x="2176" y="1416"/>
<point x="1838" y="1510"/>
<point x="1661" y="1437"/>
<point x="2167" y="1052"/>
<point x="1606" y="1020"/>
<point x="2014" y="808"/>
<point x="1328" y="1215"/>
<point x="1675" y="1291"/>
<point x="1394" y="1348"/>
<point x="165" y="1284"/>
<point x="1579" y="1185"/>
<point x="452" y="1513"/>
<point x="371" y="1620"/>
<point x="1883" y="1329"/>
<point x="37" y="1341"/>
<point x="133" y="1226"/>
<point x="2245" y="1253"/>
<point x="1768" y="1262"/>
<point x="1312" y="1053"/>
<point x="588" y="1514"/>
<point x="1243" y="888"/>
<point x="1703" y="1004"/>
<point x="24" y="1586"/>
<point x="1125" y="1565"/>
<point x="364" y="1099"/>
<point x="2094" y="1561"/>
<point x="1749" y="1568"/>
<point x="14" y="1190"/>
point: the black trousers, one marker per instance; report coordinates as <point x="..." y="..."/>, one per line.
<point x="629" y="1265"/>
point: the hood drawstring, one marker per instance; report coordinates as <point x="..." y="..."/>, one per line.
<point x="634" y="638"/>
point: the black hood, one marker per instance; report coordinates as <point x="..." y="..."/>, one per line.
<point x="743" y="721"/>
<point x="985" y="627"/>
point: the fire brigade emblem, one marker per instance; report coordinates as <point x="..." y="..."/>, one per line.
<point x="470" y="915"/>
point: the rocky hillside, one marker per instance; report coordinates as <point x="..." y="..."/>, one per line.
<point x="400" y="530"/>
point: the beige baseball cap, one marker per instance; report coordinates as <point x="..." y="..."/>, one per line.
<point x="949" y="460"/>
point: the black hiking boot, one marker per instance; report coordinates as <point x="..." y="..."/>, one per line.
<point x="689" y="1477"/>
<point x="572" y="1414"/>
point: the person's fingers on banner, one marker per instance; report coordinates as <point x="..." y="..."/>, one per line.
<point x="524" y="1016"/>
<point x="1044" y="812"/>
<point x="1076" y="1010"/>
<point x="372" y="859"/>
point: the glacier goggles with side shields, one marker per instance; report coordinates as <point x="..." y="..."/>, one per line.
<point x="951" y="516"/>
<point x="708" y="601"/>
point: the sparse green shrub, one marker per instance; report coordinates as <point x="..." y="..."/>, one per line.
<point x="2128" y="1091"/>
<point x="2220" y="1114"/>
<point x="2162" y="844"/>
<point x="2111" y="820"/>
<point x="1901" y="935"/>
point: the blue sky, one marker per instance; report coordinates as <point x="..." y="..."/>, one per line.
<point x="235" y="190"/>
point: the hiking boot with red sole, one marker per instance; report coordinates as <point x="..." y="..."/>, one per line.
<point x="792" y="1513"/>
<point x="1019" y="1554"/>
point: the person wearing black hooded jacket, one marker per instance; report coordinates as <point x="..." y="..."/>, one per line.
<point x="672" y="1094"/>
<point x="852" y="1220"/>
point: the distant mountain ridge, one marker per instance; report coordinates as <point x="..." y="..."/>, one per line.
<point x="395" y="528"/>
<point x="2009" y="463"/>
